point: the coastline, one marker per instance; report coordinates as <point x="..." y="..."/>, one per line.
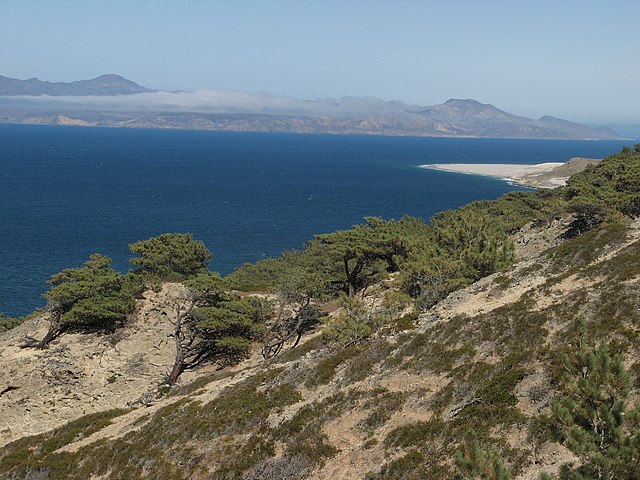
<point x="541" y="175"/>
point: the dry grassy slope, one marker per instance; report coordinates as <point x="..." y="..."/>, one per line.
<point x="357" y="403"/>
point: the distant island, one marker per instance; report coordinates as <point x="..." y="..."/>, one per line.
<point x="114" y="101"/>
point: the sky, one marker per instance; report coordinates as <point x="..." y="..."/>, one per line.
<point x="578" y="60"/>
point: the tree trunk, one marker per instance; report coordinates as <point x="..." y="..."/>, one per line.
<point x="181" y="349"/>
<point x="55" y="329"/>
<point x="178" y="368"/>
<point x="352" y="276"/>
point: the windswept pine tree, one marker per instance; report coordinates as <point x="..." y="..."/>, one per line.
<point x="214" y="325"/>
<point x="90" y="297"/>
<point x="363" y="253"/>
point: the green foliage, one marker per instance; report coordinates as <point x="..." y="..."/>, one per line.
<point x="33" y="454"/>
<point x="7" y="323"/>
<point x="431" y="276"/>
<point x="93" y="296"/>
<point x="326" y="368"/>
<point x="613" y="183"/>
<point x="259" y="276"/>
<point x="592" y="417"/>
<point x="229" y="327"/>
<point x="206" y="287"/>
<point x="94" y="279"/>
<point x="475" y="238"/>
<point x="298" y="281"/>
<point x="391" y="313"/>
<point x="294" y="274"/>
<point x="459" y="247"/>
<point x="215" y="326"/>
<point x="586" y="217"/>
<point x="476" y="463"/>
<point x="500" y="389"/>
<point x="172" y="256"/>
<point x="456" y="249"/>
<point x="362" y="255"/>
<point x="354" y="323"/>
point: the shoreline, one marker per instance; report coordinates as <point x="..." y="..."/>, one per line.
<point x="540" y="175"/>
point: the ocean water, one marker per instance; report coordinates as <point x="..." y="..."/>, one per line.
<point x="66" y="192"/>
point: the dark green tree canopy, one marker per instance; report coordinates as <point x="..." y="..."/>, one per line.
<point x="171" y="256"/>
<point x="215" y="325"/>
<point x="593" y="416"/>
<point x="91" y="296"/>
<point x="613" y="183"/>
<point x="364" y="253"/>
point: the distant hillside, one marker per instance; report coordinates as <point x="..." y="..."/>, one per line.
<point x="113" y="101"/>
<point x="109" y="84"/>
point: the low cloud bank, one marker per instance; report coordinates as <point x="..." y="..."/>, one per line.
<point x="212" y="101"/>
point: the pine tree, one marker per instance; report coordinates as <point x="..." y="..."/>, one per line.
<point x="93" y="296"/>
<point x="363" y="254"/>
<point x="174" y="256"/>
<point x="592" y="415"/>
<point x="476" y="463"/>
<point x="214" y="326"/>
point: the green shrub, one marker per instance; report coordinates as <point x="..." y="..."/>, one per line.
<point x="326" y="368"/>
<point x="7" y="323"/>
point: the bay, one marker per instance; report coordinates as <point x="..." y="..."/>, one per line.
<point x="67" y="192"/>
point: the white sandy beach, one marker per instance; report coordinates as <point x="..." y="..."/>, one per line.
<point x="541" y="175"/>
<point x="503" y="170"/>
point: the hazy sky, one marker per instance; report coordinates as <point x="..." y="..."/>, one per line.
<point x="578" y="60"/>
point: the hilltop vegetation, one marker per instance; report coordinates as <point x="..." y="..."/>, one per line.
<point x="395" y="349"/>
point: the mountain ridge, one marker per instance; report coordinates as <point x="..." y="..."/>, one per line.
<point x="113" y="101"/>
<point x="107" y="84"/>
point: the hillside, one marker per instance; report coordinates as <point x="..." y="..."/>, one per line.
<point x="488" y="350"/>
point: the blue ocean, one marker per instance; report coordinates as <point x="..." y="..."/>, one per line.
<point x="67" y="192"/>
